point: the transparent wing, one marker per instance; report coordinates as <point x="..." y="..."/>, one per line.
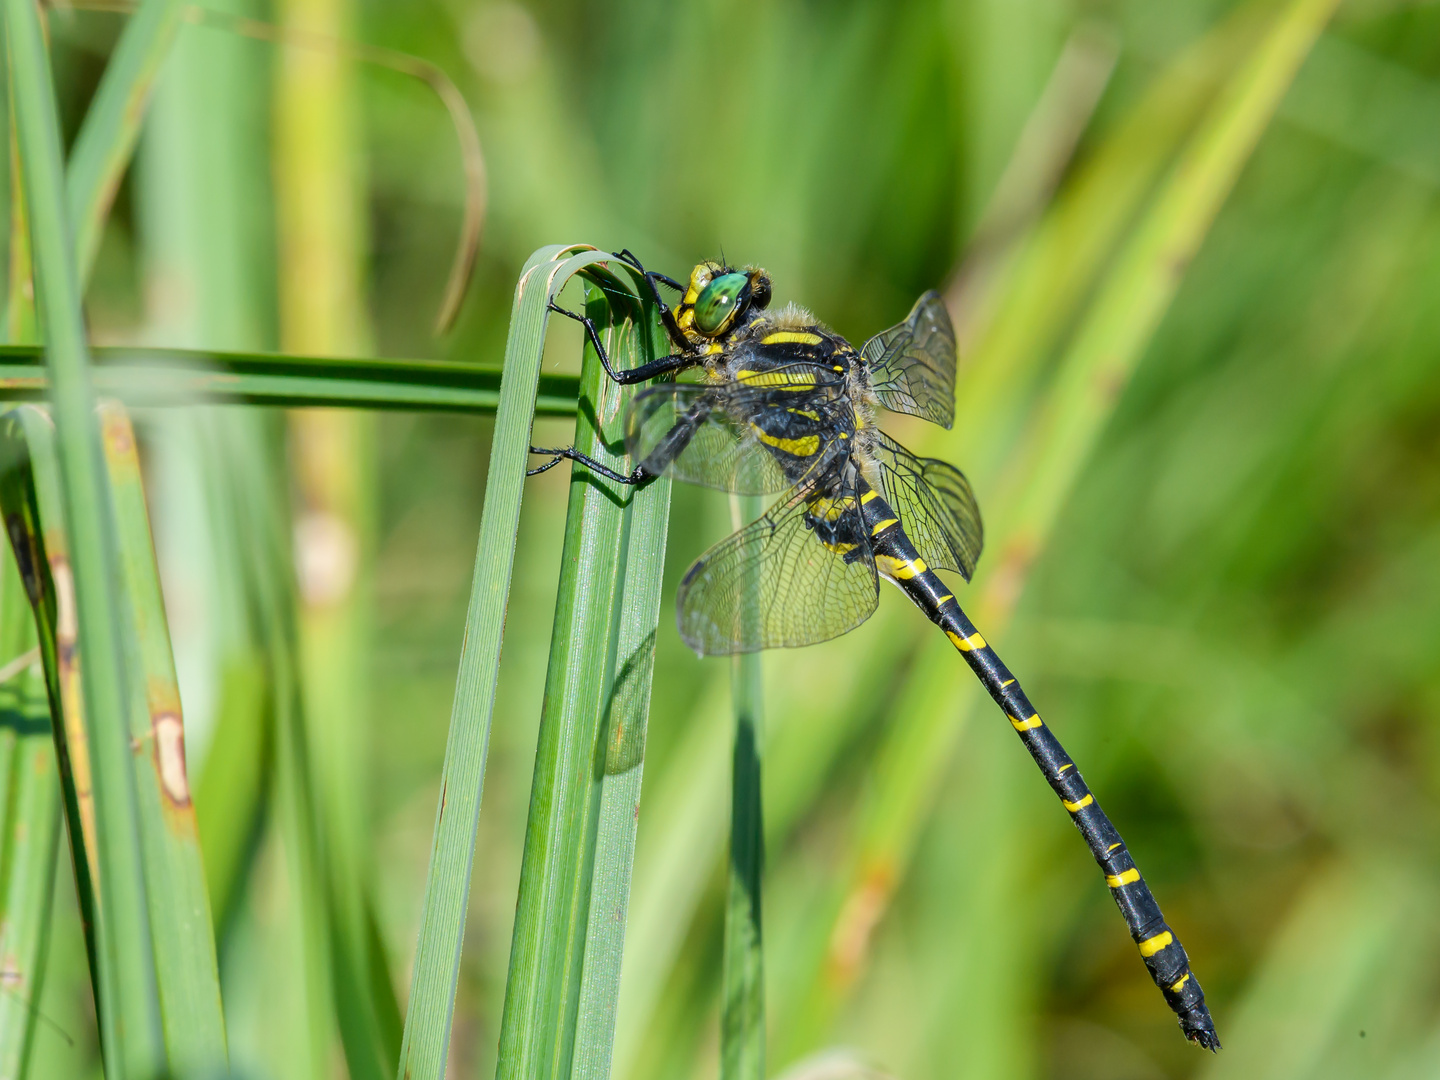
<point x="754" y="440"/>
<point x="697" y="432"/>
<point x="776" y="582"/>
<point x="936" y="506"/>
<point x="912" y="366"/>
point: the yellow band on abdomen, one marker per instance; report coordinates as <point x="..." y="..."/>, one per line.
<point x="964" y="644"/>
<point x="1150" y="946"/>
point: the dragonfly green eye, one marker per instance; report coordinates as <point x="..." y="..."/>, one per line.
<point x="718" y="302"/>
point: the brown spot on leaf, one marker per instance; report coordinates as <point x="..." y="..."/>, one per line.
<point x="170" y="757"/>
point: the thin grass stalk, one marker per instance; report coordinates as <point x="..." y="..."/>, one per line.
<point x="186" y="967"/>
<point x="322" y="310"/>
<point x="169" y="377"/>
<point x="305" y="1039"/>
<point x="106" y="140"/>
<point x="542" y="992"/>
<point x="129" y="1001"/>
<point x="742" y="994"/>
<point x="20" y="299"/>
<point x="430" y="1010"/>
<point x="923" y="726"/>
<point x="626" y="727"/>
<point x="31" y="825"/>
<point x="30" y="498"/>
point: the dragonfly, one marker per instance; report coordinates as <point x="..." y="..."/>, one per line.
<point x="782" y="405"/>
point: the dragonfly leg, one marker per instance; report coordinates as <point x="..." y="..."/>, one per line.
<point x="559" y="454"/>
<point x="667" y="317"/>
<point x="662" y="366"/>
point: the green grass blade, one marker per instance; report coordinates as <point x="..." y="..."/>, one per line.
<point x="742" y="1003"/>
<point x="186" y="968"/>
<point x="1065" y="426"/>
<point x="629" y="713"/>
<point x="30" y="499"/>
<point x="153" y="376"/>
<point x="320" y="194"/>
<point x="106" y="140"/>
<point x="542" y="993"/>
<point x="20" y="296"/>
<point x="129" y="1002"/>
<point x="290" y="1025"/>
<point x="31" y="828"/>
<point x="442" y="923"/>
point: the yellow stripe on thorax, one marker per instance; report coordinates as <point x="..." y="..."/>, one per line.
<point x="802" y="447"/>
<point x="786" y="337"/>
<point x="780" y="380"/>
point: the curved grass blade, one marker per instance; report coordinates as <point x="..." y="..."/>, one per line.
<point x="129" y="999"/>
<point x="432" y="993"/>
<point x="472" y="156"/>
<point x="543" y="991"/>
<point x="155" y="376"/>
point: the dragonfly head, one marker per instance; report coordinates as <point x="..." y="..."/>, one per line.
<point x="718" y="298"/>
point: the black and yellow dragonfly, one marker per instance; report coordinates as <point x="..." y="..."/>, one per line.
<point x="784" y="405"/>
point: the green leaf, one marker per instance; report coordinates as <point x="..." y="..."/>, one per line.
<point x="153" y="376"/>
<point x="587" y="689"/>
<point x="186" y="967"/>
<point x="742" y="987"/>
<point x="179" y="911"/>
<point x="31" y="824"/>
<point x="540" y="1031"/>
<point x="106" y="140"/>
<point x="128" y="1000"/>
<point x="432" y="994"/>
<point x="625" y="732"/>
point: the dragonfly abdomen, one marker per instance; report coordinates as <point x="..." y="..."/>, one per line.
<point x="897" y="559"/>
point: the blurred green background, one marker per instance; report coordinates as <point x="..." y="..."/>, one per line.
<point x="1234" y="622"/>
